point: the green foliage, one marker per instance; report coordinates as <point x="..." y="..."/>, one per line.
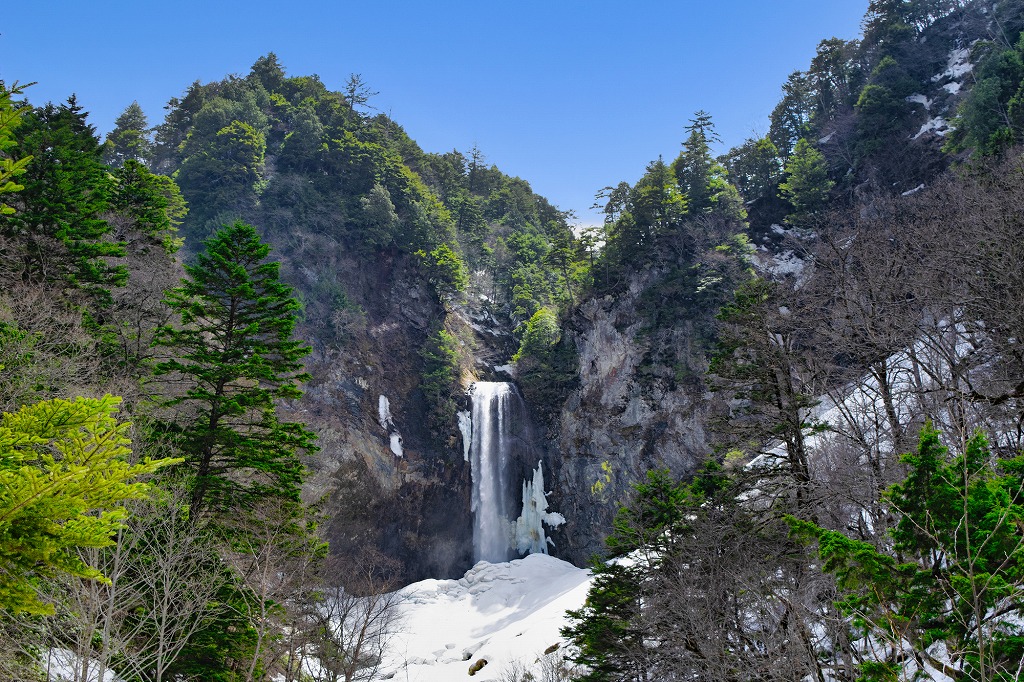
<point x="756" y="168"/>
<point x="991" y="117"/>
<point x="58" y="235"/>
<point x="701" y="179"/>
<point x="440" y="379"/>
<point x="608" y="632"/>
<point x="224" y="173"/>
<point x="546" y="362"/>
<point x="541" y="334"/>
<point x="880" y="118"/>
<point x="235" y="357"/>
<point x="379" y="221"/>
<point x="152" y="202"/>
<point x="10" y="167"/>
<point x="445" y="271"/>
<point x="64" y="473"/>
<point x="955" y="570"/>
<point x="129" y="140"/>
<point x="807" y="184"/>
<point x="791" y="118"/>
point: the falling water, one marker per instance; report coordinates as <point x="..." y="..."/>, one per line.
<point x="495" y="420"/>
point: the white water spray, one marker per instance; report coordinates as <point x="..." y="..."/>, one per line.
<point x="490" y="454"/>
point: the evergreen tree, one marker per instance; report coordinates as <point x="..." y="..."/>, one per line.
<point x="954" y="572"/>
<point x="761" y="360"/>
<point x="695" y="169"/>
<point x="63" y="478"/>
<point x="791" y="118"/>
<point x="656" y="209"/>
<point x="807" y="183"/>
<point x="152" y="202"/>
<point x="991" y="117"/>
<point x="10" y="165"/>
<point x="129" y="140"/>
<point x="440" y="379"/>
<point x="756" y="169"/>
<point x="235" y="357"/>
<point x="608" y="631"/>
<point x="58" y="235"/>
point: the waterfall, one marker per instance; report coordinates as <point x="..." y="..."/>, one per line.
<point x="498" y="436"/>
<point x="496" y="418"/>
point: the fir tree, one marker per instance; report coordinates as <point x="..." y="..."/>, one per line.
<point x="807" y="183"/>
<point x="63" y="478"/>
<point x="10" y="167"/>
<point x="129" y="140"/>
<point x="57" y="235"/>
<point x="235" y="356"/>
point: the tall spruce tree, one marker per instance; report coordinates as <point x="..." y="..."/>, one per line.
<point x="58" y="236"/>
<point x="695" y="168"/>
<point x="129" y="140"/>
<point x="235" y="357"/>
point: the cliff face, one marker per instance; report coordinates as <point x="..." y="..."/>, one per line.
<point x="630" y="413"/>
<point x="386" y="481"/>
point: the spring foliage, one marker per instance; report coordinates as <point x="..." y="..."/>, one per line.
<point x="64" y="472"/>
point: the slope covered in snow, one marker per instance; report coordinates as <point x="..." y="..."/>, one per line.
<point x="504" y="613"/>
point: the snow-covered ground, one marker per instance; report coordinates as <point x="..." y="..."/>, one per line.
<point x="503" y="613"/>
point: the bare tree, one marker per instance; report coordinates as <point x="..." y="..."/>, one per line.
<point x="357" y="618"/>
<point x="274" y="551"/>
<point x="164" y="575"/>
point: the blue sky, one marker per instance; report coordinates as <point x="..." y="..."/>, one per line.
<point x="569" y="95"/>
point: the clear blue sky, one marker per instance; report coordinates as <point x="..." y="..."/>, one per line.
<point x="569" y="95"/>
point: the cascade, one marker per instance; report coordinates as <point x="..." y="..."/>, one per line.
<point x="497" y="437"/>
<point x="495" y="424"/>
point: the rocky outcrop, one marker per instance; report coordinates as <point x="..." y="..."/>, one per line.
<point x="385" y="481"/>
<point x="632" y="412"/>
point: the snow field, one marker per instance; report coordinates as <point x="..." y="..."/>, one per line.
<point x="502" y="613"/>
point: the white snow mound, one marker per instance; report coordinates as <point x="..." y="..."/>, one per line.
<point x="502" y="612"/>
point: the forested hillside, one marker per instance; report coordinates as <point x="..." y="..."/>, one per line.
<point x="781" y="385"/>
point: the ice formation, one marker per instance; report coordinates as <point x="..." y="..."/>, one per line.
<point x="466" y="429"/>
<point x="530" y="537"/>
<point x="387" y="422"/>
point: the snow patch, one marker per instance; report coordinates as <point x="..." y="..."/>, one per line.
<point x="387" y="422"/>
<point x="64" y="664"/>
<point x="503" y="612"/>
<point x="957" y="65"/>
<point x="396" y="444"/>
<point x="937" y="125"/>
<point x="784" y="264"/>
<point x="913" y="191"/>
<point x="922" y="100"/>
<point x="384" y="413"/>
<point x="952" y="88"/>
<point x="825" y="140"/>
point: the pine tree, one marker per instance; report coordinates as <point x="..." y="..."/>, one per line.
<point x="129" y="140"/>
<point x="57" y="235"/>
<point x="807" y="183"/>
<point x="235" y="356"/>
